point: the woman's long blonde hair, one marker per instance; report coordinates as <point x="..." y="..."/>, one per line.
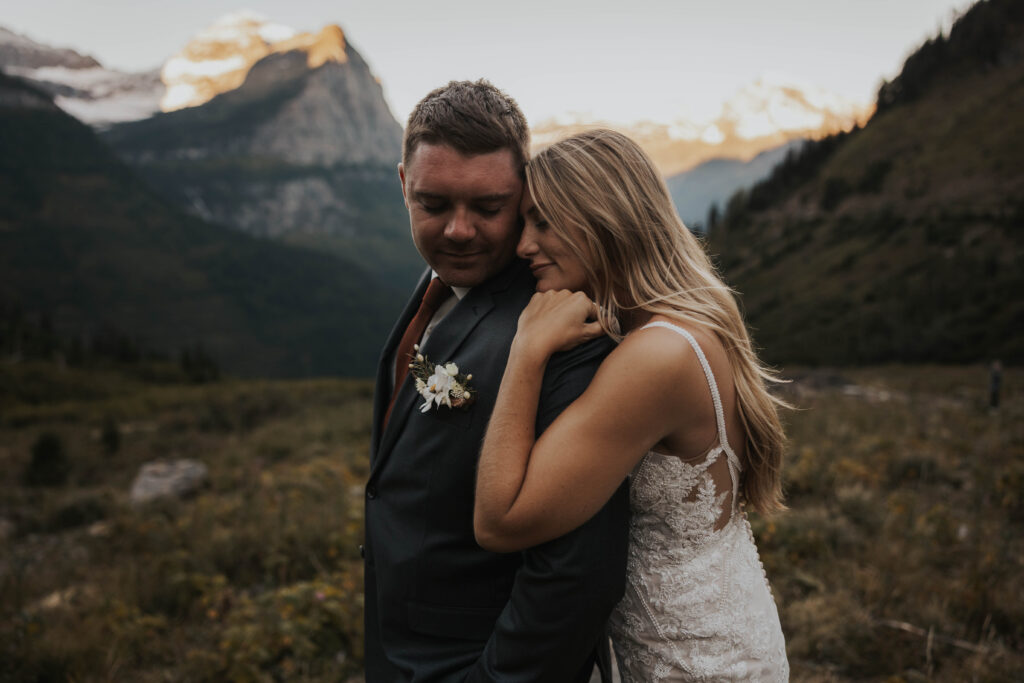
<point x="604" y="197"/>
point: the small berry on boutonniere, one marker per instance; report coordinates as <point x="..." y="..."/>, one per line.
<point x="440" y="384"/>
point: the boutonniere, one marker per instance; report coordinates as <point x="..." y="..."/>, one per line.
<point x="440" y="384"/>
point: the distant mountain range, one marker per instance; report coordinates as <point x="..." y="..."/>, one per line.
<point x="901" y="241"/>
<point x="79" y="84"/>
<point x="704" y="163"/>
<point x="765" y="115"/>
<point x="714" y="182"/>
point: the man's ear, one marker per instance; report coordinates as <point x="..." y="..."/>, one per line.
<point x="401" y="177"/>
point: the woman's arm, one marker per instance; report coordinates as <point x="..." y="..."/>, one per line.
<point x="530" y="491"/>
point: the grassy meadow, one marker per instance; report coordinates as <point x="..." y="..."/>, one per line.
<point x="901" y="557"/>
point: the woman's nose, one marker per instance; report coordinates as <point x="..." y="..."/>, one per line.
<point x="527" y="244"/>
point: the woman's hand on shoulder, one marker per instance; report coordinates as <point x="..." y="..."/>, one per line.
<point x="556" y="321"/>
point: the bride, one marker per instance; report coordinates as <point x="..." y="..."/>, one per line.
<point x="680" y="406"/>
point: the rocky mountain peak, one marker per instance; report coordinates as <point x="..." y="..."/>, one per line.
<point x="329" y="46"/>
<point x="220" y="56"/>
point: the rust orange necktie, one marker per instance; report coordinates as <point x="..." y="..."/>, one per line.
<point x="435" y="295"/>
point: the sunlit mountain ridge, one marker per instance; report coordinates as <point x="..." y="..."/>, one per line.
<point x="763" y="115"/>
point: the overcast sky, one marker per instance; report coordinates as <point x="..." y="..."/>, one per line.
<point x="623" y="61"/>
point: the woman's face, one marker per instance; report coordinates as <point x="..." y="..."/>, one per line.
<point x="552" y="261"/>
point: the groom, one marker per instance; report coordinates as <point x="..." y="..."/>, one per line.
<point x="439" y="608"/>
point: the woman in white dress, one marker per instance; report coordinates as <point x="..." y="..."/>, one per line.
<point x="681" y="405"/>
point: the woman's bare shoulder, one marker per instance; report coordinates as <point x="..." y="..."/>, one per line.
<point x="665" y="357"/>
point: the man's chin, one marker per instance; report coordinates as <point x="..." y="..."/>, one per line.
<point x="467" y="276"/>
<point x="461" y="278"/>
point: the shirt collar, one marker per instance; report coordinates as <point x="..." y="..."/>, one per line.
<point x="460" y="292"/>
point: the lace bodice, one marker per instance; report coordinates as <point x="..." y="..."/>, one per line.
<point x="697" y="605"/>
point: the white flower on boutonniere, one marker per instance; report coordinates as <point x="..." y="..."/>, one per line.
<point x="440" y="384"/>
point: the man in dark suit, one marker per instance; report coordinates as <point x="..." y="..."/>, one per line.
<point x="439" y="608"/>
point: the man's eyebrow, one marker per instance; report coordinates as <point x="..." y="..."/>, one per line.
<point x="493" y="197"/>
<point x="498" y="197"/>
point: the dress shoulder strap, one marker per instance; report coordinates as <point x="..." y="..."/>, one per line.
<point x="723" y="438"/>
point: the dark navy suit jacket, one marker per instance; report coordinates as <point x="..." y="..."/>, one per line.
<point x="439" y="608"/>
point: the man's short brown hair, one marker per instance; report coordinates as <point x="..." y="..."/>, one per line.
<point x="473" y="117"/>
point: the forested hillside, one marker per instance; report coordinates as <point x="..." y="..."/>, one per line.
<point x="900" y="241"/>
<point x="86" y="244"/>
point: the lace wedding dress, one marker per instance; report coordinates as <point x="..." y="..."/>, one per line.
<point x="697" y="605"/>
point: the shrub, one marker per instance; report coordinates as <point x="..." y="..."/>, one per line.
<point x="311" y="627"/>
<point x="79" y="512"/>
<point x="874" y="176"/>
<point x="110" y="436"/>
<point x="49" y="465"/>
<point x="835" y="191"/>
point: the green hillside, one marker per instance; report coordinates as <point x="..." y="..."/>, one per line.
<point x="85" y="242"/>
<point x="900" y="241"/>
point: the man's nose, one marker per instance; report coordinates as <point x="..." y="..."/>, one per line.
<point x="527" y="245"/>
<point x="460" y="226"/>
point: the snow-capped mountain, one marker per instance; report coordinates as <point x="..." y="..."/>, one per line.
<point x="309" y="99"/>
<point x="299" y="145"/>
<point x="80" y="85"/>
<point x="98" y="95"/>
<point x="217" y="60"/>
<point x="761" y="116"/>
<point x="779" y="105"/>
<point x="220" y="56"/>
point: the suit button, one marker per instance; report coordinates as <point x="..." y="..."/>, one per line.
<point x="362" y="551"/>
<point x="371" y="491"/>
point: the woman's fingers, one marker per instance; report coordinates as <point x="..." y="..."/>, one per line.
<point x="592" y="331"/>
<point x="559" y="320"/>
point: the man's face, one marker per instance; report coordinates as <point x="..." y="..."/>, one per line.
<point x="463" y="210"/>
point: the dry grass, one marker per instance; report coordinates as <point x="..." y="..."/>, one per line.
<point x="900" y="559"/>
<point x="902" y="555"/>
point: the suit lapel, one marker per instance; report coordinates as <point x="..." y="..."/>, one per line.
<point x="382" y="390"/>
<point x="442" y="346"/>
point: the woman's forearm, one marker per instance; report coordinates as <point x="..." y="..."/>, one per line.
<point x="507" y="445"/>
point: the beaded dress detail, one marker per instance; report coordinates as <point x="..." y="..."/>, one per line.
<point x="697" y="605"/>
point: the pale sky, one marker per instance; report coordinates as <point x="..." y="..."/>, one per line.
<point x="623" y="61"/>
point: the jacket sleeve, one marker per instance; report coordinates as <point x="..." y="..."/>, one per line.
<point x="567" y="587"/>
